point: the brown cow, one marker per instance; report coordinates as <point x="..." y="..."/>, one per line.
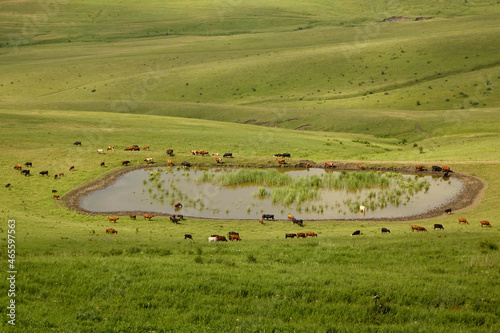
<point x="111" y="148"/>
<point x="418" y="228"/>
<point x="290" y="235"/>
<point x="261" y="221"/>
<point x="462" y="220"/>
<point x="301" y="235"/>
<point x="329" y="165"/>
<point x="419" y="168"/>
<point x="281" y="160"/>
<point x="485" y="223"/>
<point x="133" y="217"/>
<point x="234" y="237"/>
<point x="221" y="238"/>
<point x="56" y="197"/>
<point x="446" y="169"/>
<point x="111" y="230"/>
<point x="170" y="162"/>
<point x="178" y="205"/>
<point x="360" y="166"/>
<point x="113" y="219"/>
<point x="103" y="164"/>
<point x="125" y="162"/>
<point x="18" y="167"/>
<point x="149" y="217"/>
<point x="311" y="234"/>
<point x="218" y="159"/>
<point x="146" y="148"/>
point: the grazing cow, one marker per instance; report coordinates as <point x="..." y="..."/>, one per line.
<point x="386" y="231"/>
<point x="311" y="234"/>
<point x="199" y="152"/>
<point x="28" y="164"/>
<point x="290" y="235"/>
<point x="221" y="238"/>
<point x="125" y="162"/>
<point x="301" y="235"/>
<point x="213" y="239"/>
<point x="215" y="154"/>
<point x="178" y="205"/>
<point x="174" y="219"/>
<point x="111" y="231"/>
<point x="281" y="160"/>
<point x="436" y="168"/>
<point x="462" y="220"/>
<point x="360" y="166"/>
<point x="55" y="176"/>
<point x="44" y="173"/>
<point x="54" y="191"/>
<point x="193" y="152"/>
<point x="100" y="151"/>
<point x="146" y="148"/>
<point x="60" y="174"/>
<point x="290" y="216"/>
<point x="134" y="148"/>
<point x="438" y="226"/>
<point x="446" y="169"/>
<point x="170" y="152"/>
<point x="149" y="217"/>
<point x="416" y="227"/>
<point x="362" y="209"/>
<point x="56" y="196"/>
<point x="186" y="164"/>
<point x="71" y="168"/>
<point x="188" y="236"/>
<point x="103" y="164"/>
<point x="170" y="162"/>
<point x="285" y="155"/>
<point x="485" y="223"/>
<point x="148" y="160"/>
<point x="447" y="210"/>
<point x="25" y="172"/>
<point x="268" y="216"/>
<point x="113" y="219"/>
<point x="18" y="167"/>
<point x="218" y="159"/>
<point x="261" y="221"/>
<point x="8" y="185"/>
<point x="357" y="232"/>
<point x="111" y="148"/>
<point x="227" y="155"/>
<point x="419" y="168"/>
<point x="329" y="165"/>
<point x="133" y="217"/>
<point x="278" y="155"/>
<point x="77" y="143"/>
<point x="234" y="237"/>
<point x="300" y="223"/>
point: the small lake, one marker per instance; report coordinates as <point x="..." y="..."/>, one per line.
<point x="156" y="190"/>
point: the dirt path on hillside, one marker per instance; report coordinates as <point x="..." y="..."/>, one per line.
<point x="469" y="197"/>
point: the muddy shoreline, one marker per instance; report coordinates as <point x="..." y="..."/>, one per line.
<point x="469" y="196"/>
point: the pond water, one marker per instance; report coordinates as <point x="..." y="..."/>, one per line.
<point x="156" y="190"/>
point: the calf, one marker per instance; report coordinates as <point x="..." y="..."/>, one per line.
<point x="357" y="232"/>
<point x="438" y="226"/>
<point x="386" y="231"/>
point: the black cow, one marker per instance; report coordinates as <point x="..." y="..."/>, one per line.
<point x="28" y="164"/>
<point x="170" y="152"/>
<point x="357" y="232"/>
<point x="436" y="168"/>
<point x="385" y="230"/>
<point x="438" y="226"/>
<point x="228" y="155"/>
<point x="278" y="155"/>
<point x="46" y="173"/>
<point x="268" y="216"/>
<point x="77" y="143"/>
<point x="25" y="173"/>
<point x="446" y="175"/>
<point x="174" y="219"/>
<point x="447" y="210"/>
<point x="188" y="236"/>
<point x="8" y="185"/>
<point x="54" y="191"/>
<point x="186" y="164"/>
<point x="285" y="155"/>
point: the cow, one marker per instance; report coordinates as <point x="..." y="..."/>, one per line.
<point x="18" y="167"/>
<point x="233" y="233"/>
<point x="134" y="148"/>
<point x="438" y="226"/>
<point x="44" y="173"/>
<point x="71" y="168"/>
<point x="111" y="148"/>
<point x="357" y="232"/>
<point x="178" y="205"/>
<point x="215" y="154"/>
<point x="169" y="161"/>
<point x="485" y="223"/>
<point x="54" y="191"/>
<point x="148" y="160"/>
<point x="170" y="152"/>
<point x="186" y="164"/>
<point x="148" y="217"/>
<point x="221" y="238"/>
<point x="261" y="221"/>
<point x="362" y="209"/>
<point x="300" y="223"/>
<point x="285" y="155"/>
<point x="100" y="151"/>
<point x="386" y="231"/>
<point x="146" y="148"/>
<point x="25" y="172"/>
<point x="447" y="210"/>
<point x="281" y="160"/>
<point x="227" y="155"/>
<point x="111" y="231"/>
<point x="446" y="169"/>
<point x="329" y="165"/>
<point x="103" y="164"/>
<point x="311" y="234"/>
<point x="174" y="219"/>
<point x="234" y="237"/>
<point x="55" y="196"/>
<point x="8" y="185"/>
<point x="290" y="235"/>
<point x="218" y="159"/>
<point x="290" y="216"/>
<point x="436" y="168"/>
<point x="193" y="152"/>
<point x="28" y="164"/>
<point x="278" y="155"/>
<point x="133" y="217"/>
<point x="188" y="236"/>
<point x="55" y="176"/>
<point x="125" y="162"/>
<point x="417" y="228"/>
<point x="113" y="219"/>
<point x="180" y="217"/>
<point x="419" y="168"/>
<point x="212" y="239"/>
<point x="77" y="143"/>
<point x="446" y="175"/>
<point x="462" y="220"/>
<point x="268" y="217"/>
<point x="301" y="235"/>
<point x="361" y="167"/>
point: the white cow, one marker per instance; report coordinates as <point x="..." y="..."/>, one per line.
<point x="212" y="239"/>
<point x="362" y="209"/>
<point x="100" y="151"/>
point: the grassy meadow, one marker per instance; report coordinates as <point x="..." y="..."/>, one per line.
<point x="323" y="81"/>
